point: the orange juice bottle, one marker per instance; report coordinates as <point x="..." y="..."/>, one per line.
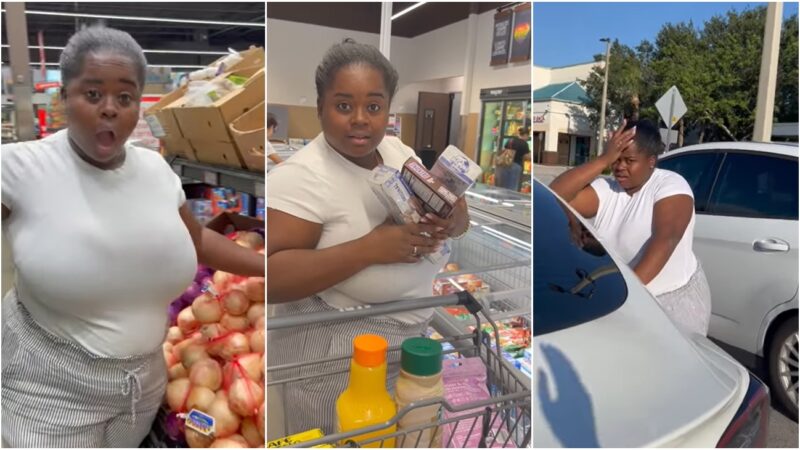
<point x="366" y="401"/>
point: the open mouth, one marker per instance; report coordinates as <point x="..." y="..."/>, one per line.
<point x="105" y="138"/>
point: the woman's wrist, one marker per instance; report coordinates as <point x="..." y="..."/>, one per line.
<point x="462" y="224"/>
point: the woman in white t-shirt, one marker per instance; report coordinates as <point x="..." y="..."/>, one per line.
<point x="102" y="242"/>
<point x="329" y="243"/>
<point x="646" y="215"/>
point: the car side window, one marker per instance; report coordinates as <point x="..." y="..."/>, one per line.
<point x="752" y="185"/>
<point x="699" y="170"/>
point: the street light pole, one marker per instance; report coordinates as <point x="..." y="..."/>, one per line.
<point x="768" y="78"/>
<point x="605" y="93"/>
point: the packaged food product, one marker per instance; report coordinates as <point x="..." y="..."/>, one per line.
<point x="402" y="204"/>
<point x="465" y="382"/>
<point x="299" y="438"/>
<point x="420" y="379"/>
<point x="366" y="401"/>
<point x="395" y="196"/>
<point x="435" y="196"/>
<point x="455" y="170"/>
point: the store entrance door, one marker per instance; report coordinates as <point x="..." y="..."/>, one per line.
<point x="433" y="122"/>
<point x="563" y="149"/>
<point x="538" y="147"/>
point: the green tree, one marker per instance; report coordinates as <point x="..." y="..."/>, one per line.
<point x="786" y="99"/>
<point x="715" y="67"/>
<point x="733" y="45"/>
<point x="624" y="82"/>
<point x="680" y="60"/>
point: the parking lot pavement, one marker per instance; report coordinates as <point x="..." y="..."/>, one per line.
<point x="782" y="432"/>
<point x="546" y="174"/>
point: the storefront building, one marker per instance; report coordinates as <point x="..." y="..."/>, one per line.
<point x="562" y="132"/>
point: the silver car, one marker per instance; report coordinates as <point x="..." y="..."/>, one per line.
<point x="746" y="238"/>
<point x="611" y="369"/>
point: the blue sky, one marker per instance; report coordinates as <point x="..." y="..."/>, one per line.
<point x="569" y="33"/>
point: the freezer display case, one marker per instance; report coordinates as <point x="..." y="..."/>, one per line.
<point x="503" y="112"/>
<point x="510" y="207"/>
<point x="493" y="263"/>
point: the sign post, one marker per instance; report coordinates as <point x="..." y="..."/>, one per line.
<point x="671" y="108"/>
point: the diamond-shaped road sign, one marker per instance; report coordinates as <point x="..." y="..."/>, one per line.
<point x="671" y="107"/>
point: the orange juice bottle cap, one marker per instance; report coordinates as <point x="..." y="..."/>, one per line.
<point x="369" y="350"/>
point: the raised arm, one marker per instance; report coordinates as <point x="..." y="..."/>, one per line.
<point x="671" y="217"/>
<point x="574" y="185"/>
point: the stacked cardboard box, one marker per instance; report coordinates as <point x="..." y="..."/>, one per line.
<point x="203" y="133"/>
<point x="248" y="132"/>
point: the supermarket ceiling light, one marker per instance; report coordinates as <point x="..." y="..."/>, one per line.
<point x="176" y="52"/>
<point x="145" y="19"/>
<point x="408" y="10"/>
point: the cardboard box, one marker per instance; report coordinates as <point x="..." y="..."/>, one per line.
<point x="179" y="147"/>
<point x="227" y="223"/>
<point x="249" y="135"/>
<point x="210" y="123"/>
<point x="254" y="56"/>
<point x="435" y="196"/>
<point x="160" y="116"/>
<point x="217" y="152"/>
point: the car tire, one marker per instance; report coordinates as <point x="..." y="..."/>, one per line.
<point x="782" y="359"/>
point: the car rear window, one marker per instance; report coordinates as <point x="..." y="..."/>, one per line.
<point x="575" y="281"/>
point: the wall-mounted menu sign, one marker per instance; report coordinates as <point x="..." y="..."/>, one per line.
<point x="501" y="37"/>
<point x="521" y="36"/>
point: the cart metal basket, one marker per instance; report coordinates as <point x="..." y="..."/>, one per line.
<point x="504" y="420"/>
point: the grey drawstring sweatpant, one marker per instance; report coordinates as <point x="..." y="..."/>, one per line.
<point x="57" y="394"/>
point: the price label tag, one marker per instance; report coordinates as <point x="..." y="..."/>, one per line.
<point x="200" y="422"/>
<point x="259" y="189"/>
<point x="211" y="178"/>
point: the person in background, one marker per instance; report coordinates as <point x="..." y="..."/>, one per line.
<point x="330" y="243"/>
<point x="102" y="240"/>
<point x="509" y="176"/>
<point x="647" y="215"/>
<point x="272" y="125"/>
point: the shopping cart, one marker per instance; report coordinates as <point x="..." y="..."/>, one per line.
<point x="504" y="420"/>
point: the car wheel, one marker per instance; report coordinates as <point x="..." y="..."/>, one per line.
<point x="783" y="365"/>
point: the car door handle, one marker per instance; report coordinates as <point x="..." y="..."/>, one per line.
<point x="771" y="245"/>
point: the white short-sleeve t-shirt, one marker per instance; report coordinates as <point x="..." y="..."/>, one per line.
<point x="99" y="253"/>
<point x="319" y="185"/>
<point x="624" y="222"/>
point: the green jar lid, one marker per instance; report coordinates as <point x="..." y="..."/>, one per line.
<point x="421" y="356"/>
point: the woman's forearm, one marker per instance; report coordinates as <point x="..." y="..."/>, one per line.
<point x="570" y="183"/>
<point x="297" y="273"/>
<point x="656" y="254"/>
<point x="221" y="253"/>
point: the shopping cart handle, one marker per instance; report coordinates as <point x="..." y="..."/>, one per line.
<point x="466" y="300"/>
<point x="461" y="298"/>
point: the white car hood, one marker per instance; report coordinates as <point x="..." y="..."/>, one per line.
<point x="632" y="379"/>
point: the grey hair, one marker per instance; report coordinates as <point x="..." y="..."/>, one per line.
<point x="350" y="52"/>
<point x="98" y="39"/>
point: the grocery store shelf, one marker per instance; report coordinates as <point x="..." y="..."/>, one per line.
<point x="240" y="180"/>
